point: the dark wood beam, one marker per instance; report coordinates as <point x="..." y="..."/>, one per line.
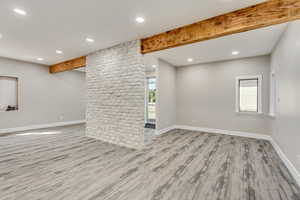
<point x="261" y="15"/>
<point x="68" y="65"/>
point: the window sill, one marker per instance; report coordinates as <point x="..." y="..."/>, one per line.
<point x="272" y="115"/>
<point x="249" y="113"/>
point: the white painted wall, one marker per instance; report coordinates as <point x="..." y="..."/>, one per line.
<point x="206" y="95"/>
<point x="43" y="98"/>
<point x="151" y="74"/>
<point x="166" y="96"/>
<point x="285" y="62"/>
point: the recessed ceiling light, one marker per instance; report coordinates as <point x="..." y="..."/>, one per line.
<point x="90" y="40"/>
<point x="235" y="53"/>
<point x="40" y="59"/>
<point x="154" y="66"/>
<point x="140" y="20"/>
<point x="20" y="11"/>
<point x="59" y="52"/>
<point x="190" y="59"/>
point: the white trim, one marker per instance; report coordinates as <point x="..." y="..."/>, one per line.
<point x="237" y="93"/>
<point x="218" y="131"/>
<point x="249" y="113"/>
<point x="272" y="115"/>
<point x="292" y="169"/>
<point x="226" y="132"/>
<point x="286" y="161"/>
<point x="165" y="130"/>
<point x="40" y="126"/>
<point x="18" y="92"/>
<point x="157" y="109"/>
<point x="273" y="93"/>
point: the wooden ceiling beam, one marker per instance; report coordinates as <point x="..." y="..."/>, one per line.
<point x="68" y="65"/>
<point x="269" y="13"/>
<point x="261" y="15"/>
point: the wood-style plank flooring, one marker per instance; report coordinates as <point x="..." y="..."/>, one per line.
<point x="60" y="163"/>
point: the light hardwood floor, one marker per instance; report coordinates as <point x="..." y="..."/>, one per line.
<point x="60" y="163"/>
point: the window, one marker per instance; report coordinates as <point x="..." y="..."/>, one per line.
<point x="8" y="93"/>
<point x="249" y="94"/>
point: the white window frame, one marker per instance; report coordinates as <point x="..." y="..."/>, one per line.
<point x="273" y="94"/>
<point x="18" y="93"/>
<point x="259" y="93"/>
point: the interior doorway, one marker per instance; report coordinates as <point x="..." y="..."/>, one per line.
<point x="151" y="102"/>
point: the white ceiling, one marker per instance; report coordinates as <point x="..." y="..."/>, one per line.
<point x="64" y="24"/>
<point x="252" y="43"/>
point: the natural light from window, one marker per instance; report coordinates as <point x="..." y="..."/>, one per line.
<point x="151" y="114"/>
<point x="40" y="133"/>
<point x="248" y="95"/>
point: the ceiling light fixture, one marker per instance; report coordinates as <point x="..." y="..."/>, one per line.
<point x="90" y="40"/>
<point x="235" y="53"/>
<point x="59" y="52"/>
<point x="1" y="36"/>
<point x="190" y="59"/>
<point x="154" y="66"/>
<point x="20" y="11"/>
<point x="40" y="59"/>
<point x="140" y="20"/>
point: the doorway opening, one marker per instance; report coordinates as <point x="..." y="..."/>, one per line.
<point x="151" y="102"/>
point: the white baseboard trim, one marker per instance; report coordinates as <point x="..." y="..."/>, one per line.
<point x="40" y="126"/>
<point x="226" y="132"/>
<point x="165" y="130"/>
<point x="282" y="156"/>
<point x="287" y="162"/>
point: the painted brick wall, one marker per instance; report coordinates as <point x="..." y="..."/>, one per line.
<point x="115" y="95"/>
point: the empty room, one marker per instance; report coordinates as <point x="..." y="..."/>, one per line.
<point x="150" y="100"/>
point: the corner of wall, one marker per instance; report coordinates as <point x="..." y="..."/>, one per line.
<point x="166" y="90"/>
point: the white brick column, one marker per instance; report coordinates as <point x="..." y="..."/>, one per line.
<point x="116" y="95"/>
